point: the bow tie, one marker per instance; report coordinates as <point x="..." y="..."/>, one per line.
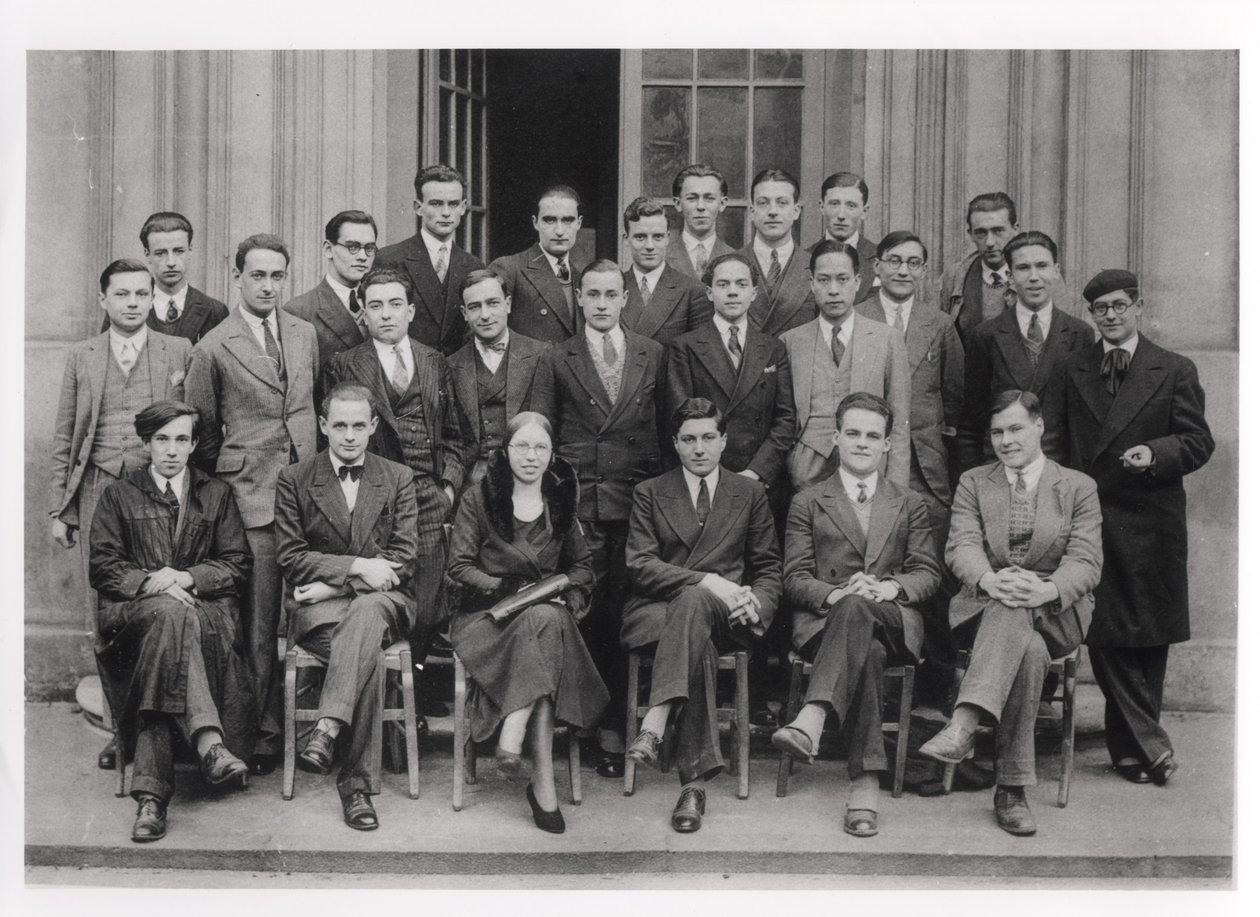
<point x="497" y="346"/>
<point x="354" y="472"/>
<point x="1115" y="363"/>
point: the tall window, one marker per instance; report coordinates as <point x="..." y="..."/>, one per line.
<point x="459" y="124"/>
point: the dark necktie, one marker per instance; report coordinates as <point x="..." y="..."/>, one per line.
<point x="353" y="472"/>
<point x="1035" y="334"/>
<point x="862" y="497"/>
<point x="732" y="344"/>
<point x="702" y="502"/>
<point x="1115" y="364"/>
<point x="562" y="270"/>
<point x="270" y="345"/>
<point x="837" y="346"/>
<point x="995" y="280"/>
<point x="354" y="303"/>
<point x="172" y="314"/>
<point x="497" y="346"/>
<point x="776" y="269"/>
<point x="1021" y="488"/>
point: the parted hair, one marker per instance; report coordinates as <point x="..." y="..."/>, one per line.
<point x="707" y="279"/>
<point x="1028" y="239"/>
<point x="898" y="237"/>
<point x="696" y="409"/>
<point x="992" y="202"/>
<point x="639" y="208"/>
<point x="846" y="180"/>
<point x="165" y="221"/>
<point x="832" y="247"/>
<point x="559" y="191"/>
<point x="601" y="266"/>
<point x="865" y="401"/>
<point x="482" y="274"/>
<point x="698" y="170"/>
<point x="332" y="229"/>
<point x="124" y="266"/>
<point x="1003" y="400"/>
<point x="766" y="175"/>
<point x="388" y="275"/>
<point x="160" y="413"/>
<point x="270" y="242"/>
<point x="439" y="173"/>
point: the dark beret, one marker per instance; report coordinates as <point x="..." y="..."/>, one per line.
<point x="1109" y="281"/>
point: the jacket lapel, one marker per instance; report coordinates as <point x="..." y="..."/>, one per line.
<point x="1050" y="513"/>
<point x="242" y="344"/>
<point x="834" y="502"/>
<point x="463" y="366"/>
<point x="367" y="503"/>
<point x="1011" y="345"/>
<point x="678" y="510"/>
<point x="1090" y="385"/>
<point x="995" y="511"/>
<point x="918" y="333"/>
<point x="862" y="349"/>
<point x="632" y="370"/>
<point x="1142" y="379"/>
<point x="751" y="368"/>
<point x="632" y="312"/>
<point x="520" y="373"/>
<point x="1056" y="347"/>
<point x="195" y="310"/>
<point x="669" y="290"/>
<point x="714" y="359"/>
<point x="428" y="287"/>
<point x="332" y="313"/>
<point x="583" y="368"/>
<point x="801" y="343"/>
<point x="885" y="507"/>
<point x="325" y="491"/>
<point x="540" y="275"/>
<point x="367" y="369"/>
<point x="100" y="354"/>
<point x="724" y="510"/>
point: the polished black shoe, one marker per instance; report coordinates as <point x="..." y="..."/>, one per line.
<point x="763" y="717"/>
<point x="1013" y="814"/>
<point x="107" y="760"/>
<point x="150" y="824"/>
<point x="358" y="811"/>
<point x="552" y="822"/>
<point x="218" y="765"/>
<point x="317" y="756"/>
<point x="645" y="749"/>
<point x="1132" y="771"/>
<point x="1162" y="768"/>
<point x="610" y="764"/>
<point x="260" y="765"/>
<point x="512" y="767"/>
<point x="431" y="706"/>
<point x="689" y="812"/>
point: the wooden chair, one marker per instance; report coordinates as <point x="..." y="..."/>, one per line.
<point x="1065" y="668"/>
<point x="736" y="716"/>
<point x="394" y="658"/>
<point x="465" y="750"/>
<point x="801" y="670"/>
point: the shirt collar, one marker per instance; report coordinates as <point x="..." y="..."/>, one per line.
<point x="690" y="242"/>
<point x="384" y="350"/>
<point x="846" y="327"/>
<point x="177" y="482"/>
<point x="596" y="338"/>
<point x="890" y="305"/>
<point x="654" y="275"/>
<point x="850" y="483"/>
<point x="852" y="240"/>
<point x="555" y="262"/>
<point x="433" y="243"/>
<point x="481" y="345"/>
<point x="693" y="482"/>
<point x="762" y="249"/>
<point x="255" y="321"/>
<point x="724" y="327"/>
<point x="139" y="339"/>
<point x="1032" y="472"/>
<point x="1023" y="315"/>
<point x="338" y="464"/>
<point x="1004" y="272"/>
<point x="1130" y="345"/>
<point x="342" y="291"/>
<point x="161" y="300"/>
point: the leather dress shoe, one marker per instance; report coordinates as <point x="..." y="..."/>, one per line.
<point x="317" y="756"/>
<point x="609" y="764"/>
<point x="689" y="812"/>
<point x="107" y="760"/>
<point x="358" y="811"/>
<point x="218" y="765"/>
<point x="794" y="742"/>
<point x="1011" y="809"/>
<point x="431" y="706"/>
<point x="150" y="824"/>
<point x="763" y="717"/>
<point x="645" y="749"/>
<point x="512" y="767"/>
<point x="1162" y="768"/>
<point x="260" y="765"/>
<point x="1132" y="771"/>
<point x="552" y="822"/>
<point x="861" y="822"/>
<point x="951" y="745"/>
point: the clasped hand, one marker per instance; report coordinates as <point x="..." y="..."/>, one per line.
<point x="1016" y="587"/>
<point x="741" y="602"/>
<point x="379" y="574"/>
<point x="865" y="586"/>
<point x="174" y="583"/>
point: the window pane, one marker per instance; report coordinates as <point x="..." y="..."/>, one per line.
<point x="445" y="120"/>
<point x="444" y="65"/>
<point x="722" y="134"/>
<point x="777" y="129"/>
<point x="461" y="68"/>
<point x="478" y="153"/>
<point x="478" y="72"/>
<point x="666" y="137"/>
<point x="461" y="133"/>
<point x="731" y="226"/>
<point x="724" y="64"/>
<point x="779" y="65"/>
<point x="667" y="64"/>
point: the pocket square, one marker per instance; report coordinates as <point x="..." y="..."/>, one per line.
<point x="771" y="369"/>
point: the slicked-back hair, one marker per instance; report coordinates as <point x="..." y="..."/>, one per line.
<point x="124" y="266"/>
<point x="832" y="247"/>
<point x="165" y="221"/>
<point x="865" y="401"/>
<point x="992" y="202"/>
<point x="766" y="175"/>
<point x="332" y="230"/>
<point x="696" y="409"/>
<point x="439" y="173"/>
<point x="559" y="191"/>
<point x="347" y="391"/>
<point x="898" y="237"/>
<point x="601" y="266"/>
<point x="698" y="170"/>
<point x="480" y="275"/>
<point x="264" y="240"/>
<point x="713" y="265"/>
<point x="639" y="208"/>
<point x="1027" y="239"/>
<point x="1003" y="400"/>
<point x="160" y="413"/>
<point x="846" y="180"/>
<point x="380" y="275"/>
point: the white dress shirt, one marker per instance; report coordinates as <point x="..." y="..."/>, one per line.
<point x="256" y="325"/>
<point x="890" y="309"/>
<point x="162" y="302"/>
<point x="176" y="483"/>
<point x="595" y="340"/>
<point x="724" y="330"/>
<point x="434" y="245"/>
<point x="119" y="344"/>
<point x="826" y="328"/>
<point x="491" y="358"/>
<point x="388" y="359"/>
<point x="1023" y="315"/>
<point x="555" y="265"/>
<point x="653" y="278"/>
<point x="342" y="291"/>
<point x="690" y="242"/>
<point x="1130" y="345"/>
<point x="762" y="251"/>
<point x="693" y="484"/>
<point x="1032" y="473"/>
<point x="349" y="487"/>
<point x="850" y="483"/>
<point x="1003" y="272"/>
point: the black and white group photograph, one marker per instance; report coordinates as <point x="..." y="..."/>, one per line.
<point x="555" y="463"/>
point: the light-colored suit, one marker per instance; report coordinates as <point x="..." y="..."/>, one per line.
<point x="879" y="366"/>
<point x="677" y="256"/>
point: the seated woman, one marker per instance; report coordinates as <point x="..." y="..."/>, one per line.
<point x="517" y="527"/>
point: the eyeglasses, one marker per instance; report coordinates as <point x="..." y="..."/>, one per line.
<point x="895" y="263"/>
<point x="354" y="248"/>
<point x="538" y="449"/>
<point x="1100" y="309"/>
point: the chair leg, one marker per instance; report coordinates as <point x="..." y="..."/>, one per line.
<point x="410" y="739"/>
<point x="1068" y="751"/>
<point x="120" y="757"/>
<point x="290" y="723"/>
<point x="632" y="719"/>
<point x="793" y="708"/>
<point x="742" y="736"/>
<point x="381" y="725"/>
<point x="459" y="714"/>
<point x="903" y="729"/>
<point x="575" y="767"/>
<point x="393" y="741"/>
<point x="960" y="669"/>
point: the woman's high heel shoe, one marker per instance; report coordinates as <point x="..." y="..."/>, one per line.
<point x="548" y="821"/>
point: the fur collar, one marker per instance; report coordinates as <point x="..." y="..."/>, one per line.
<point x="559" y="488"/>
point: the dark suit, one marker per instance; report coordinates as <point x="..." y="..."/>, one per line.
<point x="438" y="321"/>
<point x="678" y="305"/>
<point x="866" y="264"/>
<point x="317" y="540"/>
<point x="539" y="309"/>
<point x="997" y="360"/>
<point x="667" y="555"/>
<point x="851" y="641"/>
<point x="790" y="303"/>
<point x="1143" y="600"/>
<point x="201" y="313"/>
<point x="335" y="328"/>
<point x="678" y="258"/>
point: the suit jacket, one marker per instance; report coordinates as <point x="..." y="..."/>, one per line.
<point x="1144" y="596"/>
<point x="612" y="446"/>
<point x="667" y="550"/>
<point x="522" y="358"/>
<point x="935" y="356"/>
<point x="960" y="284"/>
<point x="678" y="305"/>
<point x="201" y="313"/>
<point x="335" y="328"/>
<point x="757" y="401"/>
<point x="1066" y="546"/>
<point x="79" y="407"/>
<point x="250" y="420"/>
<point x="824" y="546"/>
<point x="790" y="303"/>
<point x="439" y="321"/>
<point x="997" y="361"/>
<point x="539" y="309"/>
<point x="318" y="538"/>
<point x="450" y="439"/>
<point x="866" y="264"/>
<point x="879" y="366"/>
<point x="678" y="258"/>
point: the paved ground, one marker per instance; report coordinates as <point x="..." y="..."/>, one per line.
<point x="1113" y="834"/>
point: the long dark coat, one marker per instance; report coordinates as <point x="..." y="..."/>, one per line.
<point x="1143" y="599"/>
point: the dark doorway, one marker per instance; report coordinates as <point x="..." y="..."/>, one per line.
<point x="552" y="117"/>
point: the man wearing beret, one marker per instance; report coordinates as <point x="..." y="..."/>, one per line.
<point x="1136" y="425"/>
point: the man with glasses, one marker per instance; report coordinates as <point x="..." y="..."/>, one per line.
<point x="333" y="306"/>
<point x="845" y="202"/>
<point x="252" y="380"/>
<point x="1136" y="425"/>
